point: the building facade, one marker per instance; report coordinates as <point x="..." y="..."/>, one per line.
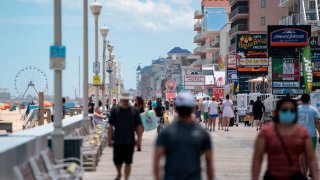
<point x="252" y="17"/>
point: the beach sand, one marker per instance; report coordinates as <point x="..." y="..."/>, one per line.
<point x="14" y="117"/>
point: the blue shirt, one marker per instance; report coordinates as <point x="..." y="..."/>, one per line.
<point x="307" y="117"/>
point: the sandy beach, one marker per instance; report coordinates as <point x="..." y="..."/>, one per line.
<point x="14" y="117"/>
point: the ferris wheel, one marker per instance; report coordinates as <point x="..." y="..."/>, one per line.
<point x="30" y="78"/>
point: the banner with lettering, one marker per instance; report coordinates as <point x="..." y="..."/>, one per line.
<point x="307" y="68"/>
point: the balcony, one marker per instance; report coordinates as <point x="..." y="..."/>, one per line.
<point x="197" y="51"/>
<point x="233" y="2"/>
<point x="198" y="38"/>
<point x="213" y="47"/>
<point x="286" y="3"/>
<point x="241" y="11"/>
<point x="197" y="27"/>
<point x="294" y="19"/>
<point x="240" y="28"/>
<point x="198" y="14"/>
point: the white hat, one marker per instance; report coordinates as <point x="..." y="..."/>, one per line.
<point x="185" y="100"/>
<point x="125" y="96"/>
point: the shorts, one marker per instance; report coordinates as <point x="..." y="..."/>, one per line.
<point x="122" y="154"/>
<point x="257" y="116"/>
<point x="213" y="115"/>
<point x="314" y="142"/>
<point x="205" y="115"/>
<point x="198" y="114"/>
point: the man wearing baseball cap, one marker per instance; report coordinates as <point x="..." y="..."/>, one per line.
<point x="183" y="143"/>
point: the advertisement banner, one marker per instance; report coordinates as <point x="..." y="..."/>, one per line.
<point x="252" y="69"/>
<point x="287" y="91"/>
<point x="231" y="74"/>
<point x="232" y="62"/>
<point x="315" y="100"/>
<point x="218" y="93"/>
<point x="315" y="49"/>
<point x="171" y="85"/>
<point x="194" y="83"/>
<point x="253" y="61"/>
<point x="286" y="84"/>
<point x="219" y="78"/>
<point x="252" y="42"/>
<point x="285" y="69"/>
<point x="307" y="68"/>
<point x="289" y="35"/>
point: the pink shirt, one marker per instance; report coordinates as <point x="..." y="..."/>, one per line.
<point x="278" y="164"/>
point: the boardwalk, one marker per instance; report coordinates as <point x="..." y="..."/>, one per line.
<point x="232" y="158"/>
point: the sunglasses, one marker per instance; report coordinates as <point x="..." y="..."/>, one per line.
<point x="287" y="110"/>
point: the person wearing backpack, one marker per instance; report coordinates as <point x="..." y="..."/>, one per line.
<point x="159" y="111"/>
<point x="125" y="121"/>
<point x="182" y="144"/>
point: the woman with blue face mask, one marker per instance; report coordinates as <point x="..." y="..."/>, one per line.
<point x="284" y="141"/>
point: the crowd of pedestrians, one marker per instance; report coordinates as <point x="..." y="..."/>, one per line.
<point x="289" y="141"/>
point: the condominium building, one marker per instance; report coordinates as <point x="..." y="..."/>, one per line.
<point x="252" y="17"/>
<point x="211" y="19"/>
<point x="301" y="12"/>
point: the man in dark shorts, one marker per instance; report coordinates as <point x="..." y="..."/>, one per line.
<point x="183" y="143"/>
<point x="91" y="106"/>
<point x="125" y="121"/>
<point x="258" y="109"/>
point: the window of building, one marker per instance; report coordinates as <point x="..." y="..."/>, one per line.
<point x="263" y="3"/>
<point x="312" y="5"/>
<point x="263" y="21"/>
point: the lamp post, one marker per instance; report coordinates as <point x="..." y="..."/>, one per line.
<point x="86" y="120"/>
<point x="110" y="65"/>
<point x="96" y="9"/>
<point x="104" y="32"/>
<point x="57" y="134"/>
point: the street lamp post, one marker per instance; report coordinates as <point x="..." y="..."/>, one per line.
<point x="110" y="66"/>
<point x="104" y="32"/>
<point x="57" y="134"/>
<point x="86" y="120"/>
<point x="96" y="9"/>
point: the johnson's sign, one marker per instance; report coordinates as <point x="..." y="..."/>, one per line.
<point x="288" y="36"/>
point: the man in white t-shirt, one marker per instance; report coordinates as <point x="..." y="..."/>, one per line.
<point x="205" y="110"/>
<point x="213" y="114"/>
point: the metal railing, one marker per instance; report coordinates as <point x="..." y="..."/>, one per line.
<point x="238" y="27"/>
<point x="294" y="19"/>
<point x="239" y="10"/>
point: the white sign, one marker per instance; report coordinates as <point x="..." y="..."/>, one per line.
<point x="96" y="67"/>
<point x="219" y="78"/>
<point x="253" y="61"/>
<point x="315" y="100"/>
<point x="194" y="78"/>
<point x="242" y="102"/>
<point x="286" y="91"/>
<point x="285" y="84"/>
<point x="232" y="61"/>
<point x="194" y="83"/>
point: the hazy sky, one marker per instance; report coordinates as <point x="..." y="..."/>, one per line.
<point x="141" y="30"/>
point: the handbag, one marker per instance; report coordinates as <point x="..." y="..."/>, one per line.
<point x="295" y="175"/>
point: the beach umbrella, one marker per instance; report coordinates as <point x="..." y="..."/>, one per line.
<point x="47" y="104"/>
<point x="6" y="106"/>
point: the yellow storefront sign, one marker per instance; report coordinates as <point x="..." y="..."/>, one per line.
<point x="96" y="80"/>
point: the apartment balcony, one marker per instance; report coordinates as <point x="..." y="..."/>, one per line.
<point x="197" y="27"/>
<point x="239" y="12"/>
<point x="287" y="3"/>
<point x="212" y="48"/>
<point x="197" y="51"/>
<point x="198" y="38"/>
<point x="233" y="2"/>
<point x="294" y="19"/>
<point x="238" y="29"/>
<point x="198" y="14"/>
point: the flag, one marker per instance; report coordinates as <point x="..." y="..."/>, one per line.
<point x="307" y="68"/>
<point x="220" y="62"/>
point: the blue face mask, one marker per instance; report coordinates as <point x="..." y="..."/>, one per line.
<point x="287" y="117"/>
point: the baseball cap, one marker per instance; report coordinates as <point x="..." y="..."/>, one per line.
<point x="185" y="100"/>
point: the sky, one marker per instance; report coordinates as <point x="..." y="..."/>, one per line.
<point x="140" y="30"/>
